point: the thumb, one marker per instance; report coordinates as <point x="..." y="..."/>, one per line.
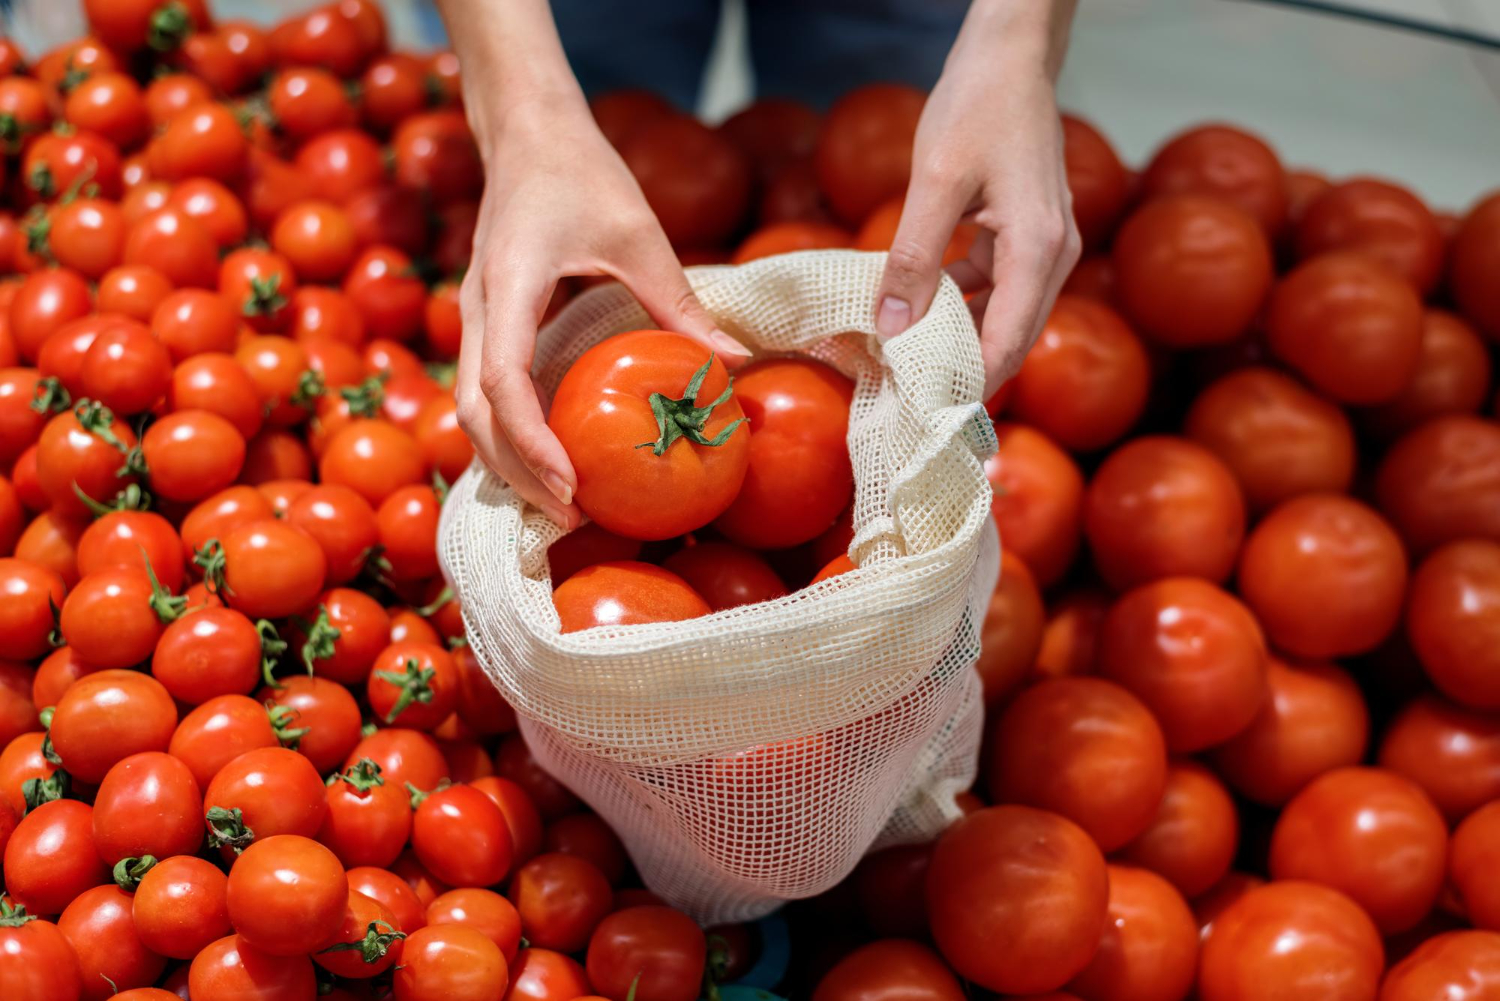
<point x="658" y="283"/>
<point x="915" y="262"/>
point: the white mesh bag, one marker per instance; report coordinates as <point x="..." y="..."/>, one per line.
<point x="754" y="755"/>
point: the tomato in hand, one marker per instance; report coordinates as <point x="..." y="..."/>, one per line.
<point x="893" y="967"/>
<point x="37" y="963"/>
<point x="450" y="963"/>
<point x="111" y="956"/>
<point x="179" y="906"/>
<point x="658" y="951"/>
<point x="107" y="716"/>
<point x="624" y="593"/>
<point x="1217" y="161"/>
<point x="148" y="804"/>
<point x="560" y="899"/>
<point x="1381" y="220"/>
<point x="233" y="968"/>
<point x="287" y="893"/>
<point x="264" y="793"/>
<point x="50" y="858"/>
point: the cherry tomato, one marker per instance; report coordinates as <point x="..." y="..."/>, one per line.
<point x="285" y="893"/>
<point x="695" y="181"/>
<point x="115" y="616"/>
<point x="863" y="154"/>
<point x="460" y="835"/>
<point x="391" y="891"/>
<point x="192" y="454"/>
<point x="1473" y="854"/>
<point x="894" y="967"/>
<point x="1149" y="947"/>
<point x="445" y="448"/>
<point x="177" y="245"/>
<point x="483" y="910"/>
<point x="1457" y="964"/>
<point x="521" y="816"/>
<point x="659" y="950"/>
<point x="217" y="384"/>
<point x="725" y="575"/>
<point x="1085" y="748"/>
<point x="260" y="284"/>
<point x="404" y="756"/>
<point x="20" y="424"/>
<point x="1038" y="503"/>
<point x="215" y="207"/>
<point x="263" y="793"/>
<point x="561" y="899"/>
<point x="320" y="38"/>
<point x="325" y="713"/>
<point x="1437" y="483"/>
<point x="111" y="105"/>
<point x="624" y="593"/>
<point x="148" y="804"/>
<point x="17" y="713"/>
<point x="1453" y="753"/>
<point x="306" y="101"/>
<point x="87" y="235"/>
<point x="317" y="238"/>
<point x="271" y="569"/>
<point x="128" y="25"/>
<point x="450" y="963"/>
<point x="1383" y="220"/>
<point x="1325" y="576"/>
<point x="224" y="726"/>
<point x="340" y="165"/>
<point x="110" y="954"/>
<point x="372" y="457"/>
<point x="31" y="592"/>
<point x="132" y="538"/>
<point x="1453" y="618"/>
<point x="1097" y="180"/>
<point x="132" y="290"/>
<point x="221" y="514"/>
<point x="514" y="761"/>
<point x="37" y="963"/>
<point x="60" y="162"/>
<point x="179" y="906"/>
<point x="1192" y="841"/>
<point x="233" y="968"/>
<point x="392" y="87"/>
<point x="434" y="152"/>
<point x="45" y="301"/>
<point x="1191" y="271"/>
<point x="368" y="819"/>
<point x="389" y="297"/>
<point x="1012" y="630"/>
<point x="50" y="858"/>
<point x="1452" y="377"/>
<point x="22" y="760"/>
<point x="107" y="716"/>
<point x="408" y="521"/>
<point x="414" y="683"/>
<point x="1473" y="253"/>
<point x="367" y="943"/>
<point x="1230" y="164"/>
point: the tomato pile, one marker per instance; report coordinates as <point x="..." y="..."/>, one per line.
<point x="1242" y="668"/>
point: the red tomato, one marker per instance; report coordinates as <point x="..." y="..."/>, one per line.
<point x="215" y="206"/>
<point x="450" y="963"/>
<point x="1192" y="841"/>
<point x="789" y="237"/>
<point x="203" y="140"/>
<point x="171" y="93"/>
<point x="585" y="546"/>
<point x="1191" y="271"/>
<point x="391" y="891"/>
<point x="560" y="899"/>
<point x="482" y="910"/>
<point x="263" y="793"/>
<point x="1453" y="621"/>
<point x="1438" y="482"/>
<point x="221" y="514"/>
<point x="37" y="963"/>
<point x="175" y="244"/>
<point x="893" y="967"/>
<point x="393" y="87"/>
<point x="1349" y="325"/>
<point x="192" y="454"/>
<point x="1473" y="257"/>
<point x="128" y="25"/>
<point x="1098" y="181"/>
<point x="624" y="593"/>
<point x="1279" y="439"/>
<point x="323" y="715"/>
<point x="368" y="819"/>
<point x="445" y="447"/>
<point x="45" y="301"/>
<point x="126" y="368"/>
<point x="50" y="858"/>
<point x="22" y="760"/>
<point x="54" y="676"/>
<point x="660" y="951"/>
<point x="179" y="906"/>
<point x="1149" y="947"/>
<point x="363" y="631"/>
<point x="414" y="683"/>
<point x="793" y="196"/>
<point x="1038" y="502"/>
<point x="317" y="238"/>
<point x="1291" y="939"/>
<point x="343" y="525"/>
<point x="31" y="592"/>
<point x="521" y="815"/>
<point x="367" y="943"/>
<point x="1012" y="630"/>
<point x="1162" y="506"/>
<point x="233" y="968"/>
<point x="1452" y="377"/>
<point x="1017" y="898"/>
<point x="20" y="424"/>
<point x="408" y="522"/>
<point x="192" y="321"/>
<point x="1451" y="752"/>
<point x="619" y="113"/>
<point x="17" y="713"/>
<point x="1457" y="964"/>
<point x="287" y="893"/>
<point x="434" y="152"/>
<point x="403" y="756"/>
<point x="725" y="575"/>
<point x="306" y="101"/>
<point x="1473" y="854"/>
<point x="132" y="538"/>
<point x="863" y="155"/>
<point x="148" y="804"/>
<point x="587" y="836"/>
<point x="771" y="132"/>
<point x="111" y="957"/>
<point x="260" y="284"/>
<point x="372" y="457"/>
<point x="514" y="761"/>
<point x="59" y="162"/>
<point x="107" y="716"/>
<point x="271" y="569"/>
<point x="1217" y="161"/>
<point x="460" y="835"/>
<point x="340" y="166"/>
<point x="1325" y="576"/>
<point x="87" y="235"/>
<point x="132" y="290"/>
<point x="1380" y="219"/>
<point x="219" y="385"/>
<point x="695" y="180"/>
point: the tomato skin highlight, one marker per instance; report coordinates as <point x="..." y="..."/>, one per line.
<point x="624" y="593"/>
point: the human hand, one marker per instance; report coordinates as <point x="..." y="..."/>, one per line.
<point x="558" y="201"/>
<point x="989" y="149"/>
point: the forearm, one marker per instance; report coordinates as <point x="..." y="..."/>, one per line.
<point x="1035" y="32"/>
<point x="511" y="59"/>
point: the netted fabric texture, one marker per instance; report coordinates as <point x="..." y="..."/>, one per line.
<point x="754" y="755"/>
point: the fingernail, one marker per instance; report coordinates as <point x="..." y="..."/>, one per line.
<point x="893" y="318"/>
<point x="558" y="486"/>
<point x="728" y="345"/>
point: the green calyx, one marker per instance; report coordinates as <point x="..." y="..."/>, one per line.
<point x="209" y="558"/>
<point x="415" y="683"/>
<point x="13" y="915"/>
<point x="272" y="646"/>
<point x="682" y="419"/>
<point x="38" y="230"/>
<point x="167" y="606"/>
<point x="310" y="387"/>
<point x="374" y="946"/>
<point x="40" y="180"/>
<point x="38" y="791"/>
<point x="321" y="636"/>
<point x="130" y="498"/>
<point x="362" y="776"/>
<point x="419" y="796"/>
<point x="98" y="420"/>
<point x="265" y="296"/>
<point x="51" y="396"/>
<point x="282" y="718"/>
<point x="366" y="398"/>
<point x="128" y="872"/>
<point x="429" y="610"/>
<point x="169" y="25"/>
<point x="226" y="828"/>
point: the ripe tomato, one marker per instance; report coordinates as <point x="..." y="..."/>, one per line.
<point x="286" y="893"/>
<point x="306" y="101"/>
<point x="521" y="815"/>
<point x="171" y="93"/>
<point x="215" y="383"/>
<point x="392" y="87"/>
<point x="276" y="456"/>
<point x="1473" y="254"/>
<point x="514" y="761"/>
<point x="382" y="285"/>
<point x="192" y="454"/>
<point x="863" y="155"/>
<point x="1325" y="576"/>
<point x="132" y="538"/>
<point x="434" y="152"/>
<point x="1456" y="964"/>
<point x="259" y="283"/>
<point x="695" y="180"/>
<point x="1162" y="506"/>
<point x="725" y="575"/>
<point x="619" y="113"/>
<point x="624" y="593"/>
<point x="340" y="165"/>
<point x="193" y="321"/>
<point x="461" y="837"/>
<point x="367" y="943"/>
<point x="368" y="819"/>
<point x="1192" y="653"/>
<point x="1453" y="621"/>
<point x="659" y="950"/>
<point x="1452" y="377"/>
<point x="58" y="162"/>
<point x="1451" y="752"/>
<point x="132" y="290"/>
<point x="320" y="38"/>
<point x="450" y="963"/>
<point x="45" y="301"/>
<point x="50" y="858"/>
<point x="587" y="836"/>
<point x="1383" y="220"/>
<point x="1217" y="161"/>
<point x="317" y="238"/>
<point x="1149" y="947"/>
<point x="1279" y="439"/>
<point x="22" y="760"/>
<point x="143" y="199"/>
<point x="271" y="569"/>
<point x="1191" y="271"/>
<point x="1291" y="939"/>
<point x="175" y="244"/>
<point x="202" y="140"/>
<point x="391" y="891"/>
<point x="233" y="968"/>
<point x="20" y="424"/>
<point x="1038" y="503"/>
<point x="1349" y="325"/>
<point x="221" y="514"/>
<point x="1438" y="482"/>
<point x="37" y="963"/>
<point x="895" y="967"/>
<point x="560" y="899"/>
<point x="403" y="756"/>
<point x="179" y="906"/>
<point x="109" y="715"/>
<point x="445" y="448"/>
<point x="1016" y="898"/>
<point x="17" y="713"/>
<point x="483" y="910"/>
<point x="585" y="546"/>
<point x="263" y="793"/>
<point x="1313" y="721"/>
<point x="110" y="954"/>
<point x="771" y="132"/>
<point x="363" y="631"/>
<point x="1192" y="840"/>
<point x="408" y="522"/>
<point x="128" y="25"/>
<point x="55" y="675"/>
<point x="600" y="413"/>
<point x="1012" y="630"/>
<point x="416" y="684"/>
<point x="1472" y="857"/>
<point x="31" y="592"/>
<point x="148" y="804"/>
<point x="373" y="458"/>
<point x="87" y="235"/>
<point x="322" y="713"/>
<point x="215" y="206"/>
<point x="1098" y="181"/>
<point x="789" y="237"/>
<point x="126" y="368"/>
<point x="1085" y="748"/>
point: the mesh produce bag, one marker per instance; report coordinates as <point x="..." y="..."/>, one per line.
<point x="754" y="755"/>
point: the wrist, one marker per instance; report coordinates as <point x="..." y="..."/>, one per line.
<point x="1015" y="37"/>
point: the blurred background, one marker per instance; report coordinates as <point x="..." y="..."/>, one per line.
<point x="1339" y="86"/>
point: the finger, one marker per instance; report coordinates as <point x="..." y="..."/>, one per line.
<point x="1031" y="261"/>
<point x="915" y="262"/>
<point x="656" y="279"/>
<point x="513" y="305"/>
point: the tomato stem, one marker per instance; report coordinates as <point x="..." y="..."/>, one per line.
<point x="209" y="558"/>
<point x="366" y="398"/>
<point x="682" y="419"/>
<point x="320" y="639"/>
<point x="36" y="791"/>
<point x="282" y="718"/>
<point x="168" y="607"/>
<point x="428" y="610"/>
<point x="170" y="24"/>
<point x="374" y="946"/>
<point x="227" y="828"/>
<point x="51" y="396"/>
<point x="97" y="419"/>
<point x="128" y="872"/>
<point x="363" y="775"/>
<point x="415" y="683"/>
<point x="419" y="796"/>
<point x="13" y="915"/>
<point x="310" y="387"/>
<point x="265" y="296"/>
<point x="272" y="646"/>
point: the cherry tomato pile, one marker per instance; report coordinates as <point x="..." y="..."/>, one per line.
<point x="1242" y="669"/>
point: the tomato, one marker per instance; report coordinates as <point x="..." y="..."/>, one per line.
<point x="232" y="968"/>
<point x="445" y="448"/>
<point x="1085" y="748"/>
<point x="22" y="760"/>
<point x="373" y="458"/>
<point x="50" y="858"/>
<point x="619" y="113"/>
<point x="771" y="132"/>
<point x="1084" y="383"/>
<point x="1452" y="376"/>
<point x="624" y="593"/>
<point x="1382" y="220"/>
<point x="1192" y="840"/>
<point x="1217" y="161"/>
<point x="37" y="963"/>
<point x="1162" y="506"/>
<point x="175" y="244"/>
<point x="483" y="910"/>
<point x="392" y="87"/>
<point x="695" y="180"/>
<point x="1279" y="439"/>
<point x="1149" y="948"/>
<point x="126" y="368"/>
<point x="221" y="514"/>
<point x="202" y="140"/>
<point x="325" y="313"/>
<point x="286" y="893"/>
<point x="386" y="214"/>
<point x="460" y="835"/>
<point x="658" y="950"/>
<point x="1325" y="576"/>
<point x="1453" y="621"/>
<point x="179" y="906"/>
<point x="17" y="713"/>
<point x="28" y="489"/>
<point x="514" y="761"/>
<point x="192" y="454"/>
<point x="1191" y="271"/>
<point x="212" y="652"/>
<point x="725" y="575"/>
<point x="1291" y="939"/>
<point x="561" y="899"/>
<point x="889" y="967"/>
<point x="115" y="615"/>
<point x="320" y="38"/>
<point x="1012" y="630"/>
<point x="450" y="963"/>
<point x="306" y="101"/>
<point x="1471" y="865"/>
<point x="110" y="954"/>
<point x="1093" y="277"/>
<point x="368" y="819"/>
<point x="367" y="943"/>
<point x="1453" y="753"/>
<point x="415" y="683"/>
<point x="587" y="836"/>
<point x="1438" y="482"/>
<point x="387" y="293"/>
<point x="263" y="793"/>
<point x="110" y="105"/>
<point x="133" y="538"/>
<point x="259" y="283"/>
<point x="1016" y="898"/>
<point x="170" y="93"/>
<point x="585" y="546"/>
<point x="1097" y="179"/>
<point x="1473" y="256"/>
<point x="317" y="239"/>
<point x="148" y="804"/>
<point x="55" y="675"/>
<point x="109" y="715"/>
<point x="863" y="154"/>
<point x="1038" y="500"/>
<point x="132" y="290"/>
<point x="194" y="321"/>
<point x="128" y="25"/>
<point x="216" y="384"/>
<point x="1457" y="964"/>
<point x="341" y="164"/>
<point x="434" y="152"/>
<point x="521" y="816"/>
<point x="325" y="713"/>
<point x="45" y="301"/>
<point x="140" y="201"/>
<point x="31" y="592"/>
<point x="408" y="522"/>
<point x="271" y="569"/>
<point x="1351" y="327"/>
<point x="391" y="891"/>
<point x="215" y="207"/>
<point x="60" y="162"/>
<point x="87" y="235"/>
<point x="403" y="756"/>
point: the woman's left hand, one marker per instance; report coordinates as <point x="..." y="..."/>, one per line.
<point x="989" y="149"/>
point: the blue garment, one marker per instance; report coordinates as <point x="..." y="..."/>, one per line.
<point x="813" y="50"/>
